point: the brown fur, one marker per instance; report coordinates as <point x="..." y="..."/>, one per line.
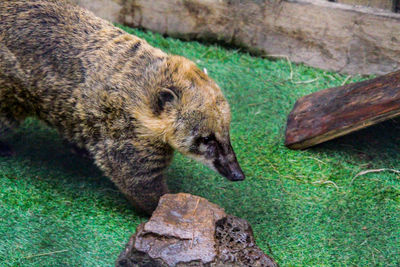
<point x="107" y="91"/>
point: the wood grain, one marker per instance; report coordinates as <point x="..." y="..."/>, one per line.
<point x="337" y="111"/>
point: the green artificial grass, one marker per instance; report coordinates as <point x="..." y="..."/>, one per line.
<point x="57" y="209"/>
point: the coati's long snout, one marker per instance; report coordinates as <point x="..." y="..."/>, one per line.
<point x="219" y="155"/>
<point x="197" y="118"/>
<point x="226" y="163"/>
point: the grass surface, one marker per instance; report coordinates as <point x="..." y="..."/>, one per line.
<point x="56" y="209"/>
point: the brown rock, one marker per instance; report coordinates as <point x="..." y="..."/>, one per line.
<point x="187" y="230"/>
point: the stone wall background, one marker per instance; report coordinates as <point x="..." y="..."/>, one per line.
<point x="322" y="34"/>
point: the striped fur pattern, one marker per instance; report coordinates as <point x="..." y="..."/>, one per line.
<point x="127" y="103"/>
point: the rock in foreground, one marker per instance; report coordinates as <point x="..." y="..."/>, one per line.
<point x="187" y="230"/>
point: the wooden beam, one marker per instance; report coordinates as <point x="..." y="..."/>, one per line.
<point x="334" y="112"/>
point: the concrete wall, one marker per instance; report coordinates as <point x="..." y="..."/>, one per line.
<point x="319" y="33"/>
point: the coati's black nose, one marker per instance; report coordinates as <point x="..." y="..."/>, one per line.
<point x="234" y="172"/>
<point x="231" y="169"/>
<point x="227" y="165"/>
<point x="237" y="175"/>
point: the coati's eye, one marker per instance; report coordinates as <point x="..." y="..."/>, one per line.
<point x="209" y="142"/>
<point x="207" y="139"/>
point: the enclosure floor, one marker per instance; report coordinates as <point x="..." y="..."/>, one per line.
<point x="56" y="209"/>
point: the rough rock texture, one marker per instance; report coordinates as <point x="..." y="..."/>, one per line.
<point x="319" y="33"/>
<point x="187" y="230"/>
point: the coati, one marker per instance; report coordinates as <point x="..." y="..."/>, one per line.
<point x="127" y="103"/>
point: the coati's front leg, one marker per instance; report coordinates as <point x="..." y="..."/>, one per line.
<point x="136" y="167"/>
<point x="6" y="150"/>
<point x="6" y="125"/>
<point x="12" y="80"/>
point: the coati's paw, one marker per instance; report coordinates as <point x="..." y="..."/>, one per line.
<point x="147" y="203"/>
<point x="144" y="205"/>
<point x="6" y="150"/>
<point x="147" y="208"/>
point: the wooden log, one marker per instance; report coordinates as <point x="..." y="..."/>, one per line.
<point x="337" y="111"/>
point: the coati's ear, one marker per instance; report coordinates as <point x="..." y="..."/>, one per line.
<point x="165" y="96"/>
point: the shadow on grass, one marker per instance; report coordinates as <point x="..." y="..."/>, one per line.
<point x="338" y="222"/>
<point x="66" y="173"/>
<point x="367" y="213"/>
<point x="43" y="150"/>
<point x="373" y="146"/>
